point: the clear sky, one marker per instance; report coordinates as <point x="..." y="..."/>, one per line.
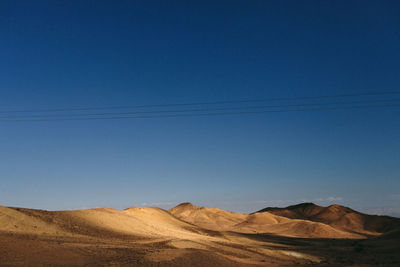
<point x="70" y="54"/>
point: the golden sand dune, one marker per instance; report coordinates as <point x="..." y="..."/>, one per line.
<point x="262" y="222"/>
<point x="339" y="217"/>
<point x="186" y="235"/>
<point x="209" y="218"/>
<point x="105" y="222"/>
<point x="26" y="221"/>
<point x="305" y="229"/>
<point x="135" y="236"/>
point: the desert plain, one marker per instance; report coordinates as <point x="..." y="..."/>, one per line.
<point x="189" y="235"/>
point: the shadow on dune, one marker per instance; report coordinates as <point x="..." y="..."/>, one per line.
<point x="382" y="250"/>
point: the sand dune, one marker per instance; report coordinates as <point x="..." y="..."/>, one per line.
<point x="186" y="235"/>
<point x="26" y="221"/>
<point x="209" y="218"/>
<point x="104" y="222"/>
<point x="135" y="236"/>
<point x="263" y="222"/>
<point x="339" y="217"/>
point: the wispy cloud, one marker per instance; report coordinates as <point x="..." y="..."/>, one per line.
<point x="395" y="196"/>
<point x="391" y="211"/>
<point x="156" y="204"/>
<point x="329" y="199"/>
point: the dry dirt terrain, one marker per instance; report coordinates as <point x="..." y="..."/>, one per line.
<point x="187" y="235"/>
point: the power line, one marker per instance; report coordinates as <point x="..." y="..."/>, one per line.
<point x="206" y="114"/>
<point x="197" y="110"/>
<point x="206" y="103"/>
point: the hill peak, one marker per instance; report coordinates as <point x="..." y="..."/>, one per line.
<point x="185" y="204"/>
<point x="302" y="205"/>
<point x="305" y="205"/>
<point x="337" y="206"/>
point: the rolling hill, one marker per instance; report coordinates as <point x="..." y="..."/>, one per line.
<point x="189" y="235"/>
<point x="262" y="222"/>
<point x="339" y="217"/>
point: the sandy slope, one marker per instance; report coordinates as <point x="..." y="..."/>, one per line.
<point x="187" y="235"/>
<point x="209" y="218"/>
<point x="264" y="222"/>
<point x="137" y="236"/>
<point x="137" y="222"/>
<point x="339" y="217"/>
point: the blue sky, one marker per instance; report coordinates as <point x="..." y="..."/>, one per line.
<point x="57" y="54"/>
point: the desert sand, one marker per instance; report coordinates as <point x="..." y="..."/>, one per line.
<point x="188" y="235"/>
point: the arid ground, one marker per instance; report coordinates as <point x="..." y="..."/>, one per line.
<point x="189" y="235"/>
